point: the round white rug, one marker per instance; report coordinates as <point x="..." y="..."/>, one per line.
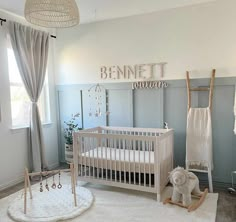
<point x="53" y="205"/>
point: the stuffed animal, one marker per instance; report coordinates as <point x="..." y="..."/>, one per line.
<point x="184" y="183"/>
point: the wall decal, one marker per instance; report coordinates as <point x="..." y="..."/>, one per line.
<point x="140" y="71"/>
<point x="149" y="85"/>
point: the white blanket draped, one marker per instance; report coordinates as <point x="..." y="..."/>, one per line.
<point x="199" y="139"/>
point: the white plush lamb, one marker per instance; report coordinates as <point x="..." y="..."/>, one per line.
<point x="184" y="183"/>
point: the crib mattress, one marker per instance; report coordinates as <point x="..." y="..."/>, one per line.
<point x="119" y="159"/>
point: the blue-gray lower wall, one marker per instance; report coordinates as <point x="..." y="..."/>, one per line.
<point x="151" y="108"/>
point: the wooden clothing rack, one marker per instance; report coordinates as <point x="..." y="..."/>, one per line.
<point x="46" y="173"/>
<point x="200" y="89"/>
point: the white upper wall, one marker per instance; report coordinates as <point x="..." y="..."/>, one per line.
<point x="98" y="10"/>
<point x="195" y="38"/>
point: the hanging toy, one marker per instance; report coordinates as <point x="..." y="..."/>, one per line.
<point x="41" y="183"/>
<point x="54" y="186"/>
<point x="46" y="186"/>
<point x="59" y="186"/>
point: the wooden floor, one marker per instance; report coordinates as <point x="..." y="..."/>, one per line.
<point x="226" y="209"/>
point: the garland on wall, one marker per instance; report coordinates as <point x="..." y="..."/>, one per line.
<point x="149" y="85"/>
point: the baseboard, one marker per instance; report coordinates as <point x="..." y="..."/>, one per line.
<point x="12" y="183"/>
<point x="53" y="166"/>
<point x="21" y="178"/>
<point x="219" y="185"/>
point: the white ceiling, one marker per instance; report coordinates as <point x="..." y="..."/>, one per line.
<point x="97" y="10"/>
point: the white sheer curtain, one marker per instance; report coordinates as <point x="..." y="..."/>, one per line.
<point x="30" y="48"/>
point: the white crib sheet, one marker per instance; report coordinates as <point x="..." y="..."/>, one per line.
<point x="119" y="159"/>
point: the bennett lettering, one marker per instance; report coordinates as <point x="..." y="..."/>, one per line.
<point x="140" y="71"/>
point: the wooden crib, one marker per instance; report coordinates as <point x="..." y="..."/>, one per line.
<point x="132" y="158"/>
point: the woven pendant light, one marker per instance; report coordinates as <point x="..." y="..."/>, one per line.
<point x="52" y="13"/>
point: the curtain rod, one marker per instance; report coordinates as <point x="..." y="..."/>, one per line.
<point x="4" y="20"/>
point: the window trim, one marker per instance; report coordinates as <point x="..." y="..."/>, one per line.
<point x="24" y="127"/>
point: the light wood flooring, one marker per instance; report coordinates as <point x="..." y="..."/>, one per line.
<point x="226" y="209"/>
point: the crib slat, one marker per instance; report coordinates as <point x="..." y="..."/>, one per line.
<point x="108" y="154"/>
<point x="158" y="170"/>
<point x="86" y="150"/>
<point x="102" y="161"/>
<point x="144" y="143"/>
<point x="149" y="146"/>
<point x="97" y="173"/>
<point x="82" y="158"/>
<point x="115" y="161"/>
<point x="139" y="165"/>
<point x="82" y="165"/>
<point x="129" y="148"/>
<point x="124" y="145"/>
<point x="111" y="147"/>
<point x="82" y="162"/>
<point x="93" y="162"/>
<point x="85" y="162"/>
<point x="134" y="156"/>
<point x="80" y="155"/>
<point x="92" y="154"/>
<point x="106" y="157"/>
<point x="120" y="160"/>
<point x="90" y="147"/>
<point x="96" y="143"/>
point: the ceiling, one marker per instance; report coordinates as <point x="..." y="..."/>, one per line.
<point x="98" y="10"/>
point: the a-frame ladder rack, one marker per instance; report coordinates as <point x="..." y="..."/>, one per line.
<point x="210" y="89"/>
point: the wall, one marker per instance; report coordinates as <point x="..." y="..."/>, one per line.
<point x="196" y="38"/>
<point x="14" y="142"/>
<point x="151" y="108"/>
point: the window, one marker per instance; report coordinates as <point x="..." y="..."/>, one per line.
<point x="20" y="102"/>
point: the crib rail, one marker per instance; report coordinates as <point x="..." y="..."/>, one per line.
<point x="125" y="157"/>
<point x="136" y="130"/>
